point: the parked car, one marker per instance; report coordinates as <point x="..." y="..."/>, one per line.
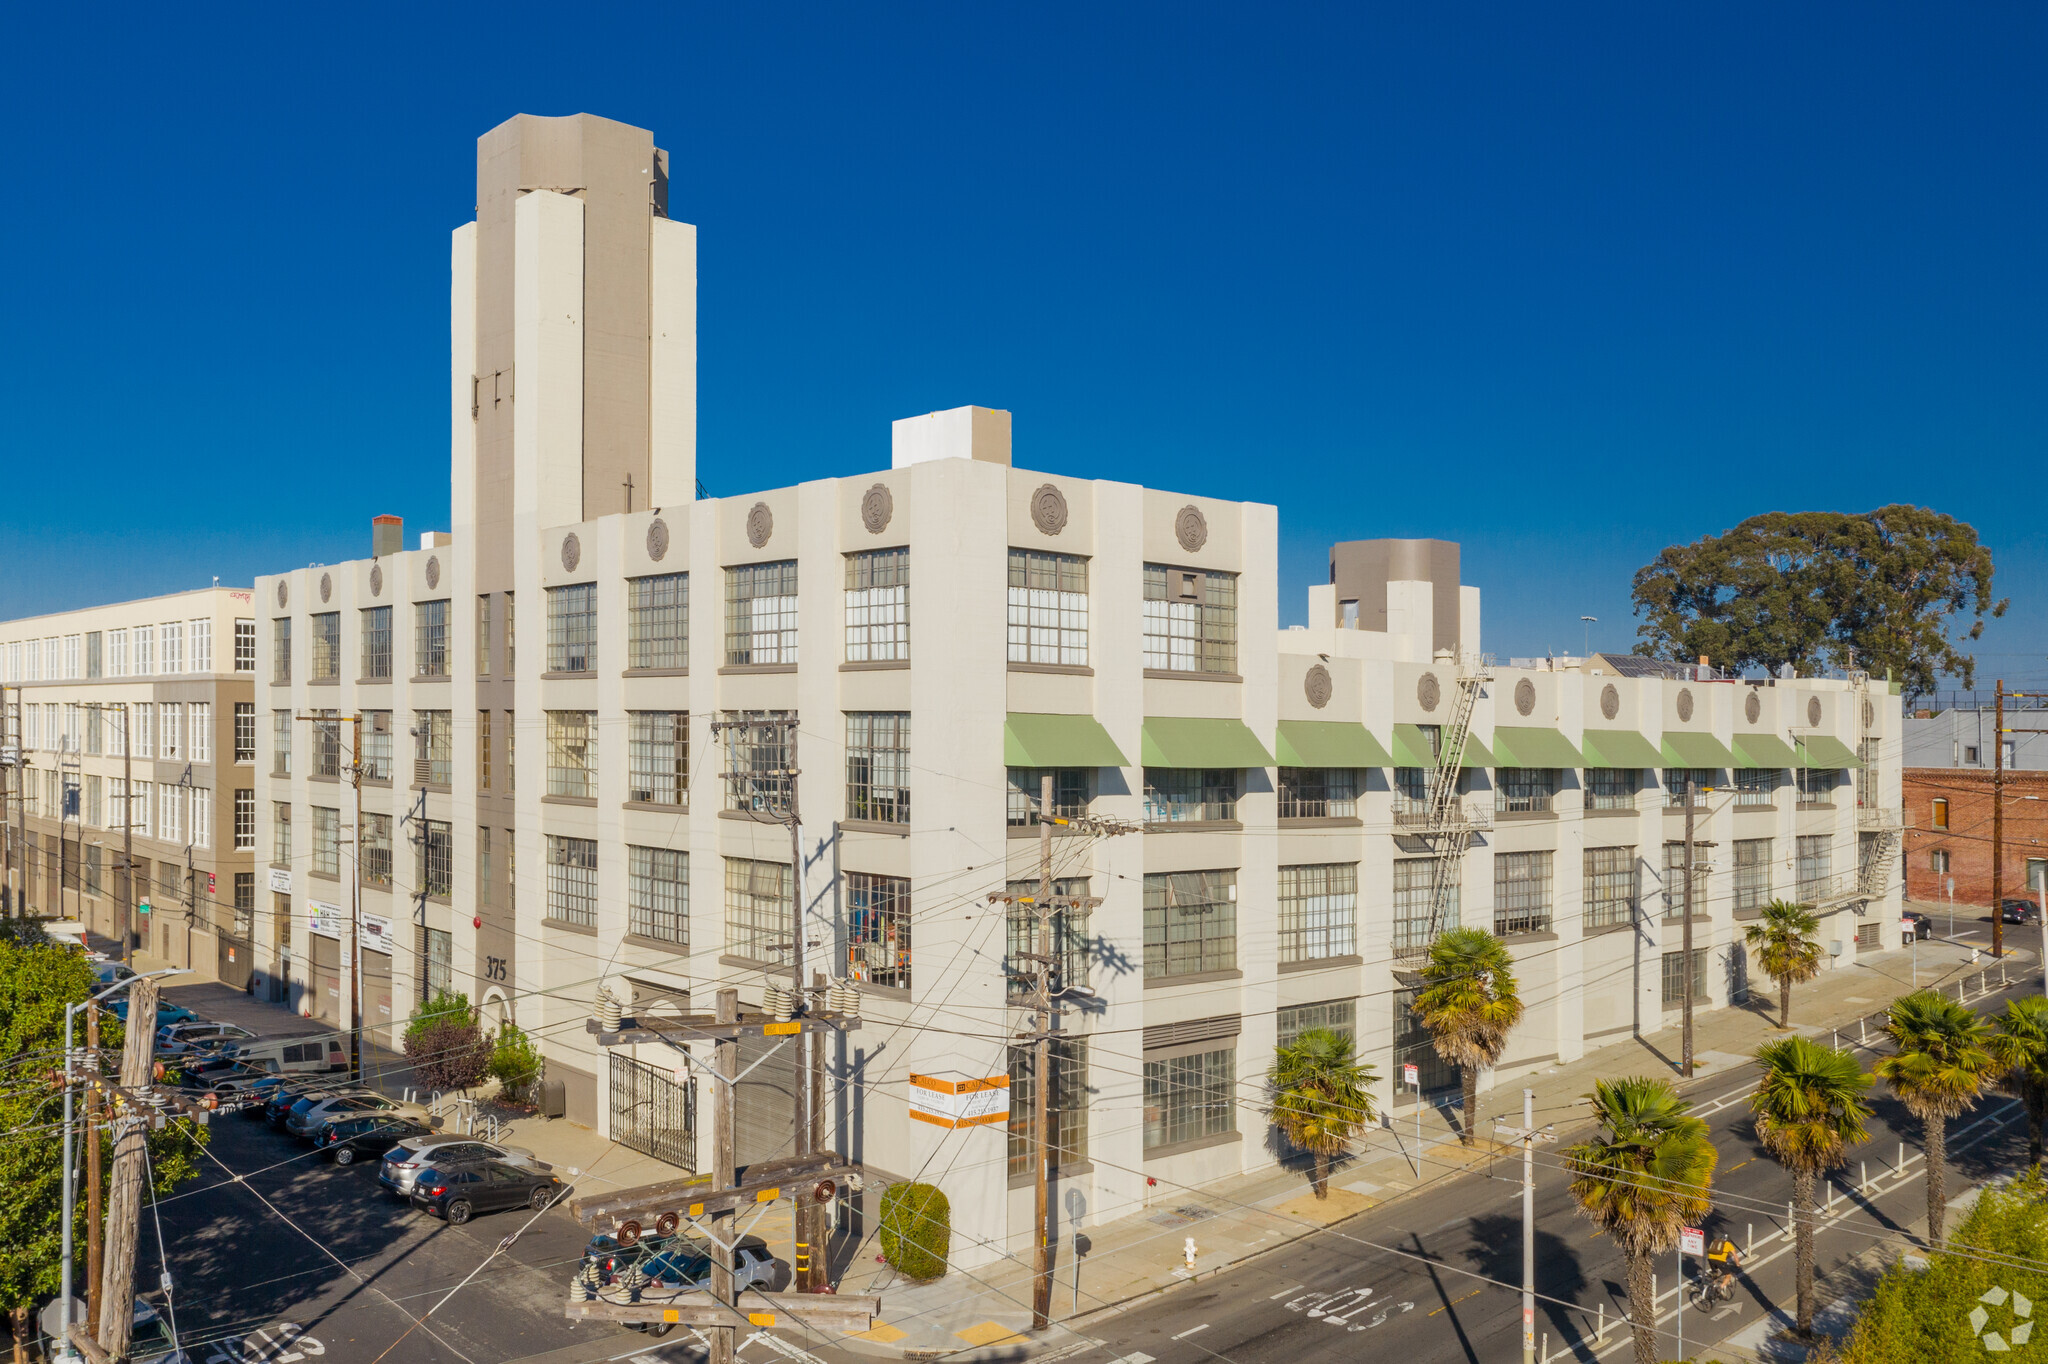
<point x="366" y="1134"/>
<point x="305" y="1121"/>
<point x="165" y="1013"/>
<point x="302" y="1091"/>
<point x="490" y="1186"/>
<point x="2020" y="912"/>
<point x="241" y="1091"/>
<point x="110" y="972"/>
<point x="403" y="1162"/>
<point x="185" y="1036"/>
<point x="685" y="1266"/>
<point x="296" y="1055"/>
<point x="1923" y="927"/>
<point x="149" y="1339"/>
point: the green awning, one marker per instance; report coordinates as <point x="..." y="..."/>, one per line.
<point x="1523" y="746"/>
<point x="1763" y="750"/>
<point x="1328" y="743"/>
<point x="1827" y="753"/>
<point x="1182" y="742"/>
<point x="1683" y="748"/>
<point x="1031" y="739"/>
<point x="1412" y="749"/>
<point x="1623" y="748"/>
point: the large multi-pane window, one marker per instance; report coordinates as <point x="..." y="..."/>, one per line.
<point x="878" y="929"/>
<point x="1411" y="795"/>
<point x="144" y="639"/>
<point x="245" y="820"/>
<point x="1318" y="911"/>
<point x="280" y="739"/>
<point x="483" y="634"/>
<point x="245" y="905"/>
<point x="1066" y="1105"/>
<point x="760" y="614"/>
<point x="170" y="739"/>
<point x="1755" y="785"/>
<point x="1675" y="973"/>
<point x="483" y="749"/>
<point x="1190" y="922"/>
<point x="1816" y="865"/>
<point x="878" y="766"/>
<point x="1524" y="790"/>
<point x="1521" y="893"/>
<point x="245" y="646"/>
<point x="430" y="638"/>
<point x="1752" y="873"/>
<point x="280" y="825"/>
<point x="1190" y="1097"/>
<point x="201" y="634"/>
<point x="280" y="650"/>
<point x="327" y="745"/>
<point x="1048" y="621"/>
<point x="1177" y="795"/>
<point x="658" y="757"/>
<point x="658" y="894"/>
<point x="376" y="623"/>
<point x="325" y="664"/>
<point x="376" y="849"/>
<point x="437" y="859"/>
<point x="572" y="753"/>
<point x="1680" y="780"/>
<point x="878" y="606"/>
<point x="326" y="840"/>
<point x="1190" y="620"/>
<point x="245" y="731"/>
<point x="658" y="621"/>
<point x="1026" y="787"/>
<point x="1414" y="880"/>
<point x="377" y="745"/>
<point x="757" y="909"/>
<point x="1069" y="929"/>
<point x="1674" y="879"/>
<point x="572" y="880"/>
<point x="1611" y="788"/>
<point x="1318" y="792"/>
<point x="434" y="747"/>
<point x="1330" y="1015"/>
<point x="572" y="628"/>
<point x="1816" y="785"/>
<point x="757" y="756"/>
<point x="1610" y="890"/>
<point x="511" y="635"/>
<point x="438" y="948"/>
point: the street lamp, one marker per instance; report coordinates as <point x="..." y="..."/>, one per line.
<point x="68" y="1351"/>
<point x="1586" y="635"/>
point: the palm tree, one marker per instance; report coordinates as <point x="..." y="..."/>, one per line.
<point x="1809" y="1111"/>
<point x="1641" y="1178"/>
<point x="1943" y="1063"/>
<point x="1320" y="1098"/>
<point x="1786" y="949"/>
<point x="2021" y="1046"/>
<point x="1469" y="1004"/>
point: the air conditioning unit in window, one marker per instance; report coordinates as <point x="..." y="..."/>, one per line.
<point x="422" y="771"/>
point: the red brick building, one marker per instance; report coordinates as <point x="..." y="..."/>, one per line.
<point x="1948" y="833"/>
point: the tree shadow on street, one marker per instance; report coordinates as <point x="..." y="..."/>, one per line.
<point x="1560" y="1278"/>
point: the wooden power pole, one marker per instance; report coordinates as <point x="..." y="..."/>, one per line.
<point x="725" y="1070"/>
<point x="124" y="1213"/>
<point x="95" y="1175"/>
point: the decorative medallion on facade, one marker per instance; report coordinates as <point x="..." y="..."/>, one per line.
<point x="434" y="571"/>
<point x="284" y="592"/>
<point x="877" y="506"/>
<point x="1316" y="686"/>
<point x="376" y="580"/>
<point x="760" y="525"/>
<point x="326" y="587"/>
<point x="572" y="552"/>
<point x="1525" y="696"/>
<point x="1048" y="509"/>
<point x="1685" y="704"/>
<point x="1869" y="715"/>
<point x="1191" y="528"/>
<point x="1610" y="701"/>
<point x="1813" y="711"/>
<point x="1428" y="692"/>
<point x="657" y="539"/>
<point x="1752" y="707"/>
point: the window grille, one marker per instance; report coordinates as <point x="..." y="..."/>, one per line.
<point x="878" y="766"/>
<point x="1070" y="794"/>
<point x="572" y="880"/>
<point x="572" y="753"/>
<point x="757" y="909"/>
<point x="377" y="745"/>
<point x="1524" y="790"/>
<point x="1066" y="1107"/>
<point x="1679" y="780"/>
<point x="325" y="665"/>
<point x="878" y="606"/>
<point x="1048" y="608"/>
<point x="280" y="650"/>
<point x="1190" y="1097"/>
<point x="878" y="929"/>
<point x="1755" y="786"/>
<point x="245" y="646"/>
<point x="1674" y="974"/>
<point x="760" y="614"/>
<point x="1413" y="879"/>
<point x="1318" y="792"/>
<point x="658" y="895"/>
<point x="430" y="638"/>
<point x="1521" y="893"/>
<point x="1190" y="620"/>
<point x="433" y="747"/>
<point x="245" y="820"/>
<point x="1674" y="879"/>
<point x="1190" y="922"/>
<point x="245" y="732"/>
<point x="1176" y="795"/>
<point x="1333" y="1015"/>
<point x="376" y="624"/>
<point x="572" y="628"/>
<point x="1318" y="911"/>
<point x="1610" y="889"/>
<point x="658" y="757"/>
<point x="376" y="850"/>
<point x="658" y="621"/>
<point x="326" y="840"/>
<point x="1816" y="865"/>
<point x="1752" y="873"/>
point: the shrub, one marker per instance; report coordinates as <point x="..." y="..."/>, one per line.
<point x="453" y="1007"/>
<point x="515" y="1062"/>
<point x="446" y="1047"/>
<point x="916" y="1229"/>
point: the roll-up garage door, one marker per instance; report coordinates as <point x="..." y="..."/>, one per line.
<point x="765" y="1116"/>
<point x="377" y="995"/>
<point x="326" y="979"/>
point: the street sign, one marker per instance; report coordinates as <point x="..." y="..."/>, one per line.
<point x="142" y="908"/>
<point x="1692" y="1241"/>
<point x="1411" y="1076"/>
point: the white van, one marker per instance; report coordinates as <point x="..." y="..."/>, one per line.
<point x="292" y="1055"/>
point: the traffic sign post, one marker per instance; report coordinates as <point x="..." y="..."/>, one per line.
<point x="1411" y="1075"/>
<point x="1691" y="1241"/>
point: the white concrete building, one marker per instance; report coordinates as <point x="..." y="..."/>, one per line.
<point x="545" y="809"/>
<point x="181" y="666"/>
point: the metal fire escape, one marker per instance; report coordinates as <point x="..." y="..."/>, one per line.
<point x="1879" y="831"/>
<point x="1451" y="825"/>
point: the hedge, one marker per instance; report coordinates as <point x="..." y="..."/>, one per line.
<point x="916" y="1229"/>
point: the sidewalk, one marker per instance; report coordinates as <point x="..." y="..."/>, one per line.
<point x="985" y="1313"/>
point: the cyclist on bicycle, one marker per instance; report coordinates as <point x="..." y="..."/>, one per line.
<point x="1723" y="1259"/>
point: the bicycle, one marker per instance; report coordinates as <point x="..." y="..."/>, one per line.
<point x="1709" y="1290"/>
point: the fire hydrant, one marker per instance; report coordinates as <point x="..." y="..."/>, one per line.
<point x="1187" y="1254"/>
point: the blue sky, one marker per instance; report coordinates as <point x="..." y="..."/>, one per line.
<point x="1565" y="283"/>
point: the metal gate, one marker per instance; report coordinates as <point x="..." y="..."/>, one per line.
<point x="653" y="1114"/>
<point x="764" y="1118"/>
<point x="325" y="981"/>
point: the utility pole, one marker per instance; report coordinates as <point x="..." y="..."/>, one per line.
<point x="1998" y="822"/>
<point x="95" y="1230"/>
<point x="725" y="1070"/>
<point x="1528" y="1134"/>
<point x="117" y="1283"/>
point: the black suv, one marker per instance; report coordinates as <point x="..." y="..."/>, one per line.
<point x="2020" y="912"/>
<point x="459" y="1194"/>
<point x="369" y="1134"/>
